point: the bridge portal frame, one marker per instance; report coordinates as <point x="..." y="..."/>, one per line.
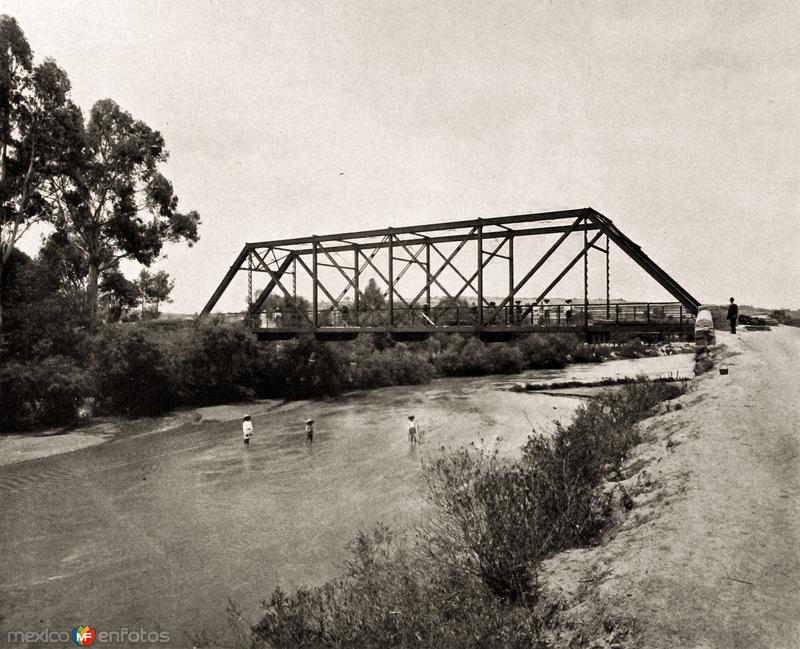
<point x="416" y="246"/>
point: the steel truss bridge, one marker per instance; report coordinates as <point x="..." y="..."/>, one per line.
<point x="410" y="263"/>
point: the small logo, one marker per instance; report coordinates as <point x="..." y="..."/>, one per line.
<point x="83" y="636"/>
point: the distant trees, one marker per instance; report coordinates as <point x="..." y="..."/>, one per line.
<point x="152" y="289"/>
<point x="371" y="304"/>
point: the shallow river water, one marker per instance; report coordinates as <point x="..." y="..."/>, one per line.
<point x="156" y="530"/>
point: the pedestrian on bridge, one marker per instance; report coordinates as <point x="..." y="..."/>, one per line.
<point x="247" y="429"/>
<point x="733" y="315"/>
<point x="309" y="430"/>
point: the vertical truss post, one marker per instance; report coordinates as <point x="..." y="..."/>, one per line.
<point x="510" y="307"/>
<point x="428" y="274"/>
<point x="249" y="318"/>
<point x="480" y="275"/>
<point x="356" y="304"/>
<point x="249" y="281"/>
<point x="391" y="279"/>
<point x="315" y="282"/>
<point x="586" y="279"/>
<point x="608" y="279"/>
<point x="294" y="279"/>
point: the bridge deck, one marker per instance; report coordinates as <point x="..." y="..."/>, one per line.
<point x="599" y="321"/>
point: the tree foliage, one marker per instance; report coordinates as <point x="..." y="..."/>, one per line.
<point x="39" y="131"/>
<point x="114" y="203"/>
<point x="152" y="289"/>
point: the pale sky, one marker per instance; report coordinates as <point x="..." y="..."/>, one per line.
<point x="680" y="121"/>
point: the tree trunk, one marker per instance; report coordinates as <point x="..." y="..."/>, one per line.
<point x="91" y="294"/>
<point x="1" y="296"/>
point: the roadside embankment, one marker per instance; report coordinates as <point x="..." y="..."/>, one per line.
<point x="708" y="556"/>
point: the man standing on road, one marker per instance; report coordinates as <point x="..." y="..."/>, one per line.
<point x="733" y="314"/>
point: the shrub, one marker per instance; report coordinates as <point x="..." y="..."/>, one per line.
<point x="398" y="365"/>
<point x="310" y="368"/>
<point x="132" y="375"/>
<point x="407" y="368"/>
<point x="394" y="596"/>
<point x="547" y="350"/>
<point x="587" y="353"/>
<point x="489" y="511"/>
<point x="464" y="358"/>
<point x="505" y="359"/>
<point x="631" y="349"/>
<point x="218" y="362"/>
<point x="41" y="393"/>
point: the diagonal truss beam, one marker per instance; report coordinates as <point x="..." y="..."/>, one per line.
<point x="235" y="267"/>
<point x="636" y="253"/>
<point x="477" y="272"/>
<point x="381" y="275"/>
<point x="569" y="267"/>
<point x="536" y="267"/>
<point x="316" y="279"/>
<point x="450" y="258"/>
<point x="275" y="281"/>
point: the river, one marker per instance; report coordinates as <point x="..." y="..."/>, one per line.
<point x="155" y="530"/>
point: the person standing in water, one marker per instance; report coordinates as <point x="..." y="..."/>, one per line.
<point x="247" y="429"/>
<point x="309" y="430"/>
<point x="412" y="430"/>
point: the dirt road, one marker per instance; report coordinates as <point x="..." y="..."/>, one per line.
<point x="710" y="555"/>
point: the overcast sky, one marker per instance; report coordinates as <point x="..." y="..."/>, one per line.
<point x="678" y="120"/>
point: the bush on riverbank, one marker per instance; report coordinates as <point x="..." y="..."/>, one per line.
<point x="136" y="369"/>
<point x="393" y="596"/>
<point x="35" y="394"/>
<point x="131" y="373"/>
<point x="469" y="577"/>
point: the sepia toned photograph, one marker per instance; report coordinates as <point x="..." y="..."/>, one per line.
<point x="365" y="324"/>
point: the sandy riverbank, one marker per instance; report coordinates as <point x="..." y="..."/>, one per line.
<point x="709" y="555"/>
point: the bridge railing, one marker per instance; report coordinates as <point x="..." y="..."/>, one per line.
<point x="521" y="315"/>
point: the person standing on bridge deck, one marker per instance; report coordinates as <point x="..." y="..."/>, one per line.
<point x="412" y="430"/>
<point x="733" y="315"/>
<point x="309" y="430"/>
<point x="247" y="429"/>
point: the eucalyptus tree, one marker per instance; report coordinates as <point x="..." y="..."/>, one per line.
<point x="114" y="203"/>
<point x="39" y="133"/>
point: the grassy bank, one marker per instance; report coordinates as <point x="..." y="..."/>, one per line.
<point x="467" y="575"/>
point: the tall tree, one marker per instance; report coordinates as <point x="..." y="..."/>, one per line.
<point x="39" y="127"/>
<point x="114" y="203"/>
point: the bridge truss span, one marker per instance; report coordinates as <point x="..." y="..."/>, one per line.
<point x="472" y="276"/>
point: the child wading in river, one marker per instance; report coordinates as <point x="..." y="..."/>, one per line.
<point x="247" y="429"/>
<point x="309" y="430"/>
<point x="412" y="430"/>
